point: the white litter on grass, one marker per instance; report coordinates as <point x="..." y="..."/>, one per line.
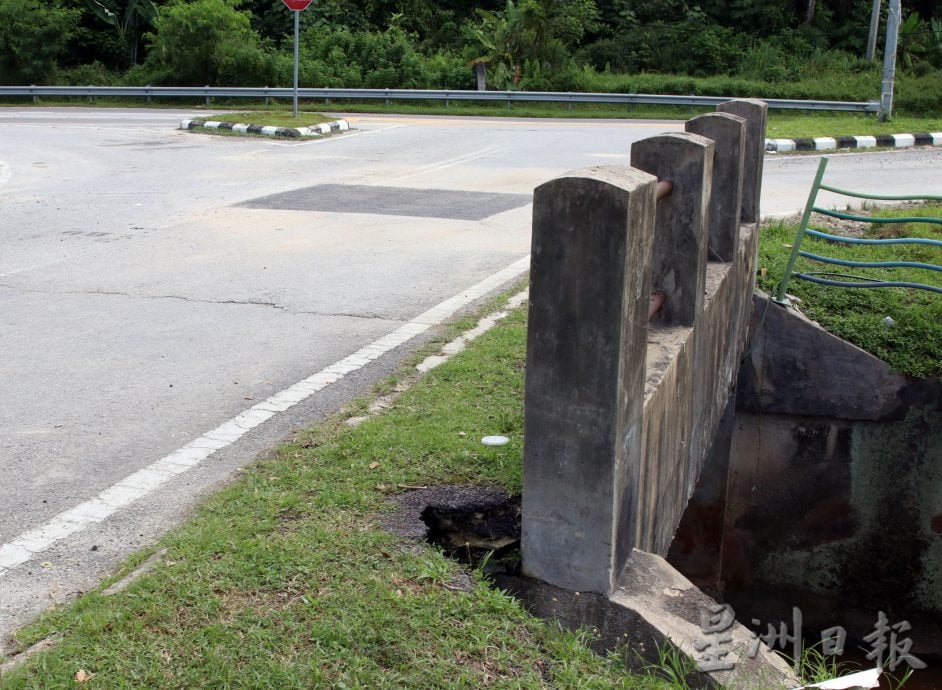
<point x="863" y="679"/>
<point x="495" y="440"/>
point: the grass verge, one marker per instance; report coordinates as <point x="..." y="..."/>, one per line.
<point x="782" y="124"/>
<point x="286" y="580"/>
<point x="913" y="343"/>
<point x="272" y="118"/>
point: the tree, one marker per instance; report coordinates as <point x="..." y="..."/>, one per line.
<point x="192" y="40"/>
<point x="530" y="31"/>
<point x="33" y="35"/>
<point x="127" y="23"/>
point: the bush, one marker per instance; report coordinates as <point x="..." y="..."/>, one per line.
<point x="343" y="58"/>
<point x="203" y="42"/>
<point x="919" y="95"/>
<point x="33" y="35"/>
<point x="95" y="74"/>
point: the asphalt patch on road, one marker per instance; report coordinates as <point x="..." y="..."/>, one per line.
<point x="392" y="201"/>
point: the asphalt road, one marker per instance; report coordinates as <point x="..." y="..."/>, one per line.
<point x="156" y="283"/>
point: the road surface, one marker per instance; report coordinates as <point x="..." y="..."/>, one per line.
<point x="155" y="284"/>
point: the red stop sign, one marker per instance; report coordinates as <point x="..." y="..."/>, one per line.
<point x="296" y="5"/>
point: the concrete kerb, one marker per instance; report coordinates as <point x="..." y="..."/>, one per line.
<point x="855" y="142"/>
<point x="291" y="132"/>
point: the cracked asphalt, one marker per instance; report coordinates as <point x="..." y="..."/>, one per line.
<point x="143" y="303"/>
<point x="146" y="296"/>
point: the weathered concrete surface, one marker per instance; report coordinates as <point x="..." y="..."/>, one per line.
<point x="755" y="112"/>
<point x="698" y="543"/>
<point x="831" y="499"/>
<point x="619" y="415"/>
<point x="840" y="518"/>
<point x="585" y="355"/>
<point x="588" y="463"/>
<point x="728" y="133"/>
<point x="653" y="606"/>
<point x="796" y="367"/>
<point x="690" y="375"/>
<point x="680" y="234"/>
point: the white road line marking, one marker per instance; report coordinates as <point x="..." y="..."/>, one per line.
<point x="483" y="326"/>
<point x="451" y="162"/>
<point x="152" y="477"/>
<point x="6" y="172"/>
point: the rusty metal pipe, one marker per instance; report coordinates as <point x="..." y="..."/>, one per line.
<point x="664" y="189"/>
<point x="658" y="298"/>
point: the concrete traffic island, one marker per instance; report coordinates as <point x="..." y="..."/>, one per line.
<point x="853" y="142"/>
<point x="322" y="129"/>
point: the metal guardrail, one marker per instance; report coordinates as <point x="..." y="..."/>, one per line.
<point x="508" y="97"/>
<point x="846" y="280"/>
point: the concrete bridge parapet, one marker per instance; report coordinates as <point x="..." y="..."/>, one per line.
<point x="620" y="412"/>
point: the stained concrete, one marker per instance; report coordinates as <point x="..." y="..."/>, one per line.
<point x="831" y="497"/>
<point x="590" y="283"/>
<point x="680" y="232"/>
<point x="797" y="367"/>
<point x="755" y="112"/>
<point x="654" y="608"/>
<point x="728" y="133"/>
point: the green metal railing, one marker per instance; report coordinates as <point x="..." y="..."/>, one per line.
<point x="842" y="279"/>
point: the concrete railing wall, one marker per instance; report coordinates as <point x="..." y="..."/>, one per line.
<point x="619" y="411"/>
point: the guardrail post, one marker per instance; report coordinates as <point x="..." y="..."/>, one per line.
<point x="148" y="94"/>
<point x="208" y="98"/>
<point x="728" y="134"/>
<point x="590" y="284"/>
<point x="755" y="112"/>
<point x="681" y="239"/>
<point x="267" y="99"/>
<point x="35" y="97"/>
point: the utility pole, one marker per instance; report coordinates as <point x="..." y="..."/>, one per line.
<point x="889" y="61"/>
<point x="874" y="28"/>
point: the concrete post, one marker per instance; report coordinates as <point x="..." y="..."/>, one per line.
<point x="480" y="75"/>
<point x="728" y="133"/>
<point x="755" y="112"/>
<point x="590" y="282"/>
<point x="893" y="19"/>
<point x="680" y="236"/>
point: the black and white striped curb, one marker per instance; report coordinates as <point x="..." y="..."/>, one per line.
<point x="828" y="143"/>
<point x="293" y="132"/>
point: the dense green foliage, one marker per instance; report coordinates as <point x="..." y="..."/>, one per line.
<point x="766" y="48"/>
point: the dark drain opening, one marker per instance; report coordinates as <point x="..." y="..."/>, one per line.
<point x="478" y="526"/>
<point x="480" y="529"/>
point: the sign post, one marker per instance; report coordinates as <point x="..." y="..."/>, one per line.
<point x="296" y="6"/>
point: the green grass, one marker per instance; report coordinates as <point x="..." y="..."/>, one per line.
<point x="782" y="124"/>
<point x="273" y="118"/>
<point x="286" y="579"/>
<point x="913" y="344"/>
<point x="793" y="126"/>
